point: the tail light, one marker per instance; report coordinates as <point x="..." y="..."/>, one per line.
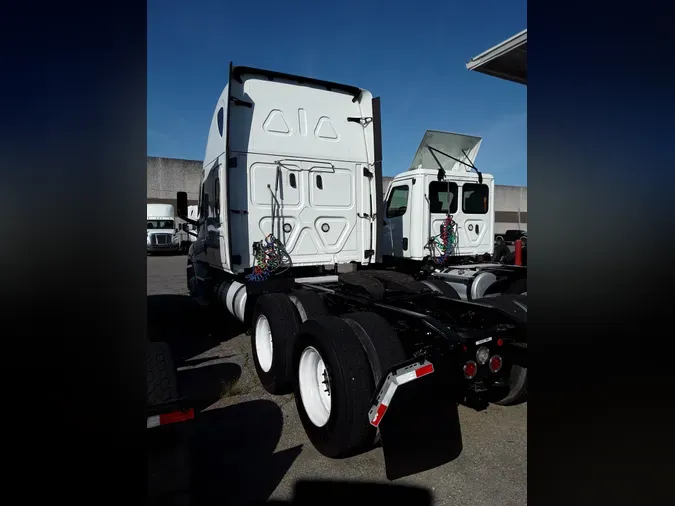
<point x="470" y="369"/>
<point x="495" y="363"/>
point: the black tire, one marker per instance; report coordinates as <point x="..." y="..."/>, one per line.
<point x="283" y="320"/>
<point x="387" y="347"/>
<point x="162" y="382"/>
<point x="519" y="286"/>
<point x="309" y="304"/>
<point x="347" y="430"/>
<point x="518" y="391"/>
<point x="444" y="288"/>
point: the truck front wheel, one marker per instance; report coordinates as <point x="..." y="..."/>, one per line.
<point x="333" y="386"/>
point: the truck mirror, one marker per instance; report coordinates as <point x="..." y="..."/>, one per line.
<point x="182" y="204"/>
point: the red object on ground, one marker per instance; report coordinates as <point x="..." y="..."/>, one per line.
<point x="519" y="252"/>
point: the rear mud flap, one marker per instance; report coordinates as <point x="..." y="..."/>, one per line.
<point x="421" y="429"/>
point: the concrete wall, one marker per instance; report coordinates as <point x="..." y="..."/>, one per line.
<point x="510" y="208"/>
<point x="167" y="176"/>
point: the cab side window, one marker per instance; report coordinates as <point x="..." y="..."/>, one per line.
<point x="397" y="204"/>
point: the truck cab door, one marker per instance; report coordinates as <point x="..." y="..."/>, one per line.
<point x="397" y="220"/>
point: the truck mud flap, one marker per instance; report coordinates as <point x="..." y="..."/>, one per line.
<point x="418" y="420"/>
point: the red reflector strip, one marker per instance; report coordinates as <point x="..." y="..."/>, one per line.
<point x="381" y="409"/>
<point x="176" y="416"/>
<point x="173" y="417"/>
<point x="393" y="381"/>
<point x="423" y="371"/>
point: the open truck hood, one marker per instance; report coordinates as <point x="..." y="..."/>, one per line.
<point x="443" y="144"/>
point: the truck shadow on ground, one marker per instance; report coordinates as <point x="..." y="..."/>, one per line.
<point x="315" y="492"/>
<point x="207" y="384"/>
<point x="188" y="328"/>
<point x="225" y="456"/>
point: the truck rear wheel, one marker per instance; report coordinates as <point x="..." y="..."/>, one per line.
<point x="162" y="382"/>
<point x="333" y="386"/>
<point x="308" y="303"/>
<point x="518" y="388"/>
<point x="382" y="345"/>
<point x="386" y="348"/>
<point x="275" y="327"/>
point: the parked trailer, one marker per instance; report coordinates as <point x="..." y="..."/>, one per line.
<point x="290" y="200"/>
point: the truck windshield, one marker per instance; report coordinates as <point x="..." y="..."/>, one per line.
<point x="161" y="224"/>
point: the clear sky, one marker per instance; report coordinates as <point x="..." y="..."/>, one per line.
<point x="411" y="54"/>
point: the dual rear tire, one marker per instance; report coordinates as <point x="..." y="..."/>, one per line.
<point x="332" y="365"/>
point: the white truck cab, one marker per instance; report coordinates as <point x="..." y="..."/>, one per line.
<point x="160" y="228"/>
<point x="293" y="157"/>
<point x="441" y="187"/>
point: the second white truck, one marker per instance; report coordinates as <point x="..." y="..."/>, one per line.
<point x="161" y="228"/>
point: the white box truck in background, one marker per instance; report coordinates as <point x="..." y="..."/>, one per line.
<point x="161" y="228"/>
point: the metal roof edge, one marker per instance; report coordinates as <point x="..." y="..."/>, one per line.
<point x="498" y="50"/>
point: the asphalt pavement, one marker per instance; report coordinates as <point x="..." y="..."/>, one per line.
<point x="248" y="445"/>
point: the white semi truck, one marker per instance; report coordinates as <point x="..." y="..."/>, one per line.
<point x="161" y="228"/>
<point x="292" y="238"/>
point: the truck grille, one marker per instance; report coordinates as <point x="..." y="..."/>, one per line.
<point x="160" y="239"/>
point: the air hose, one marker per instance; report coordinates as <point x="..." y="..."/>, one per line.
<point x="270" y="258"/>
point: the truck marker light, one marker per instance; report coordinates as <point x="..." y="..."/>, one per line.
<point x="486" y="340"/>
<point x="500" y="342"/>
<point x="470" y="369"/>
<point x="495" y="363"/>
<point x="482" y="355"/>
<point x="401" y="376"/>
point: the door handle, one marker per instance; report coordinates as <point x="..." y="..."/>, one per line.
<point x="405" y="244"/>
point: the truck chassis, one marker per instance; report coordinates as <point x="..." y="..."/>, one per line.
<point x="337" y="342"/>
